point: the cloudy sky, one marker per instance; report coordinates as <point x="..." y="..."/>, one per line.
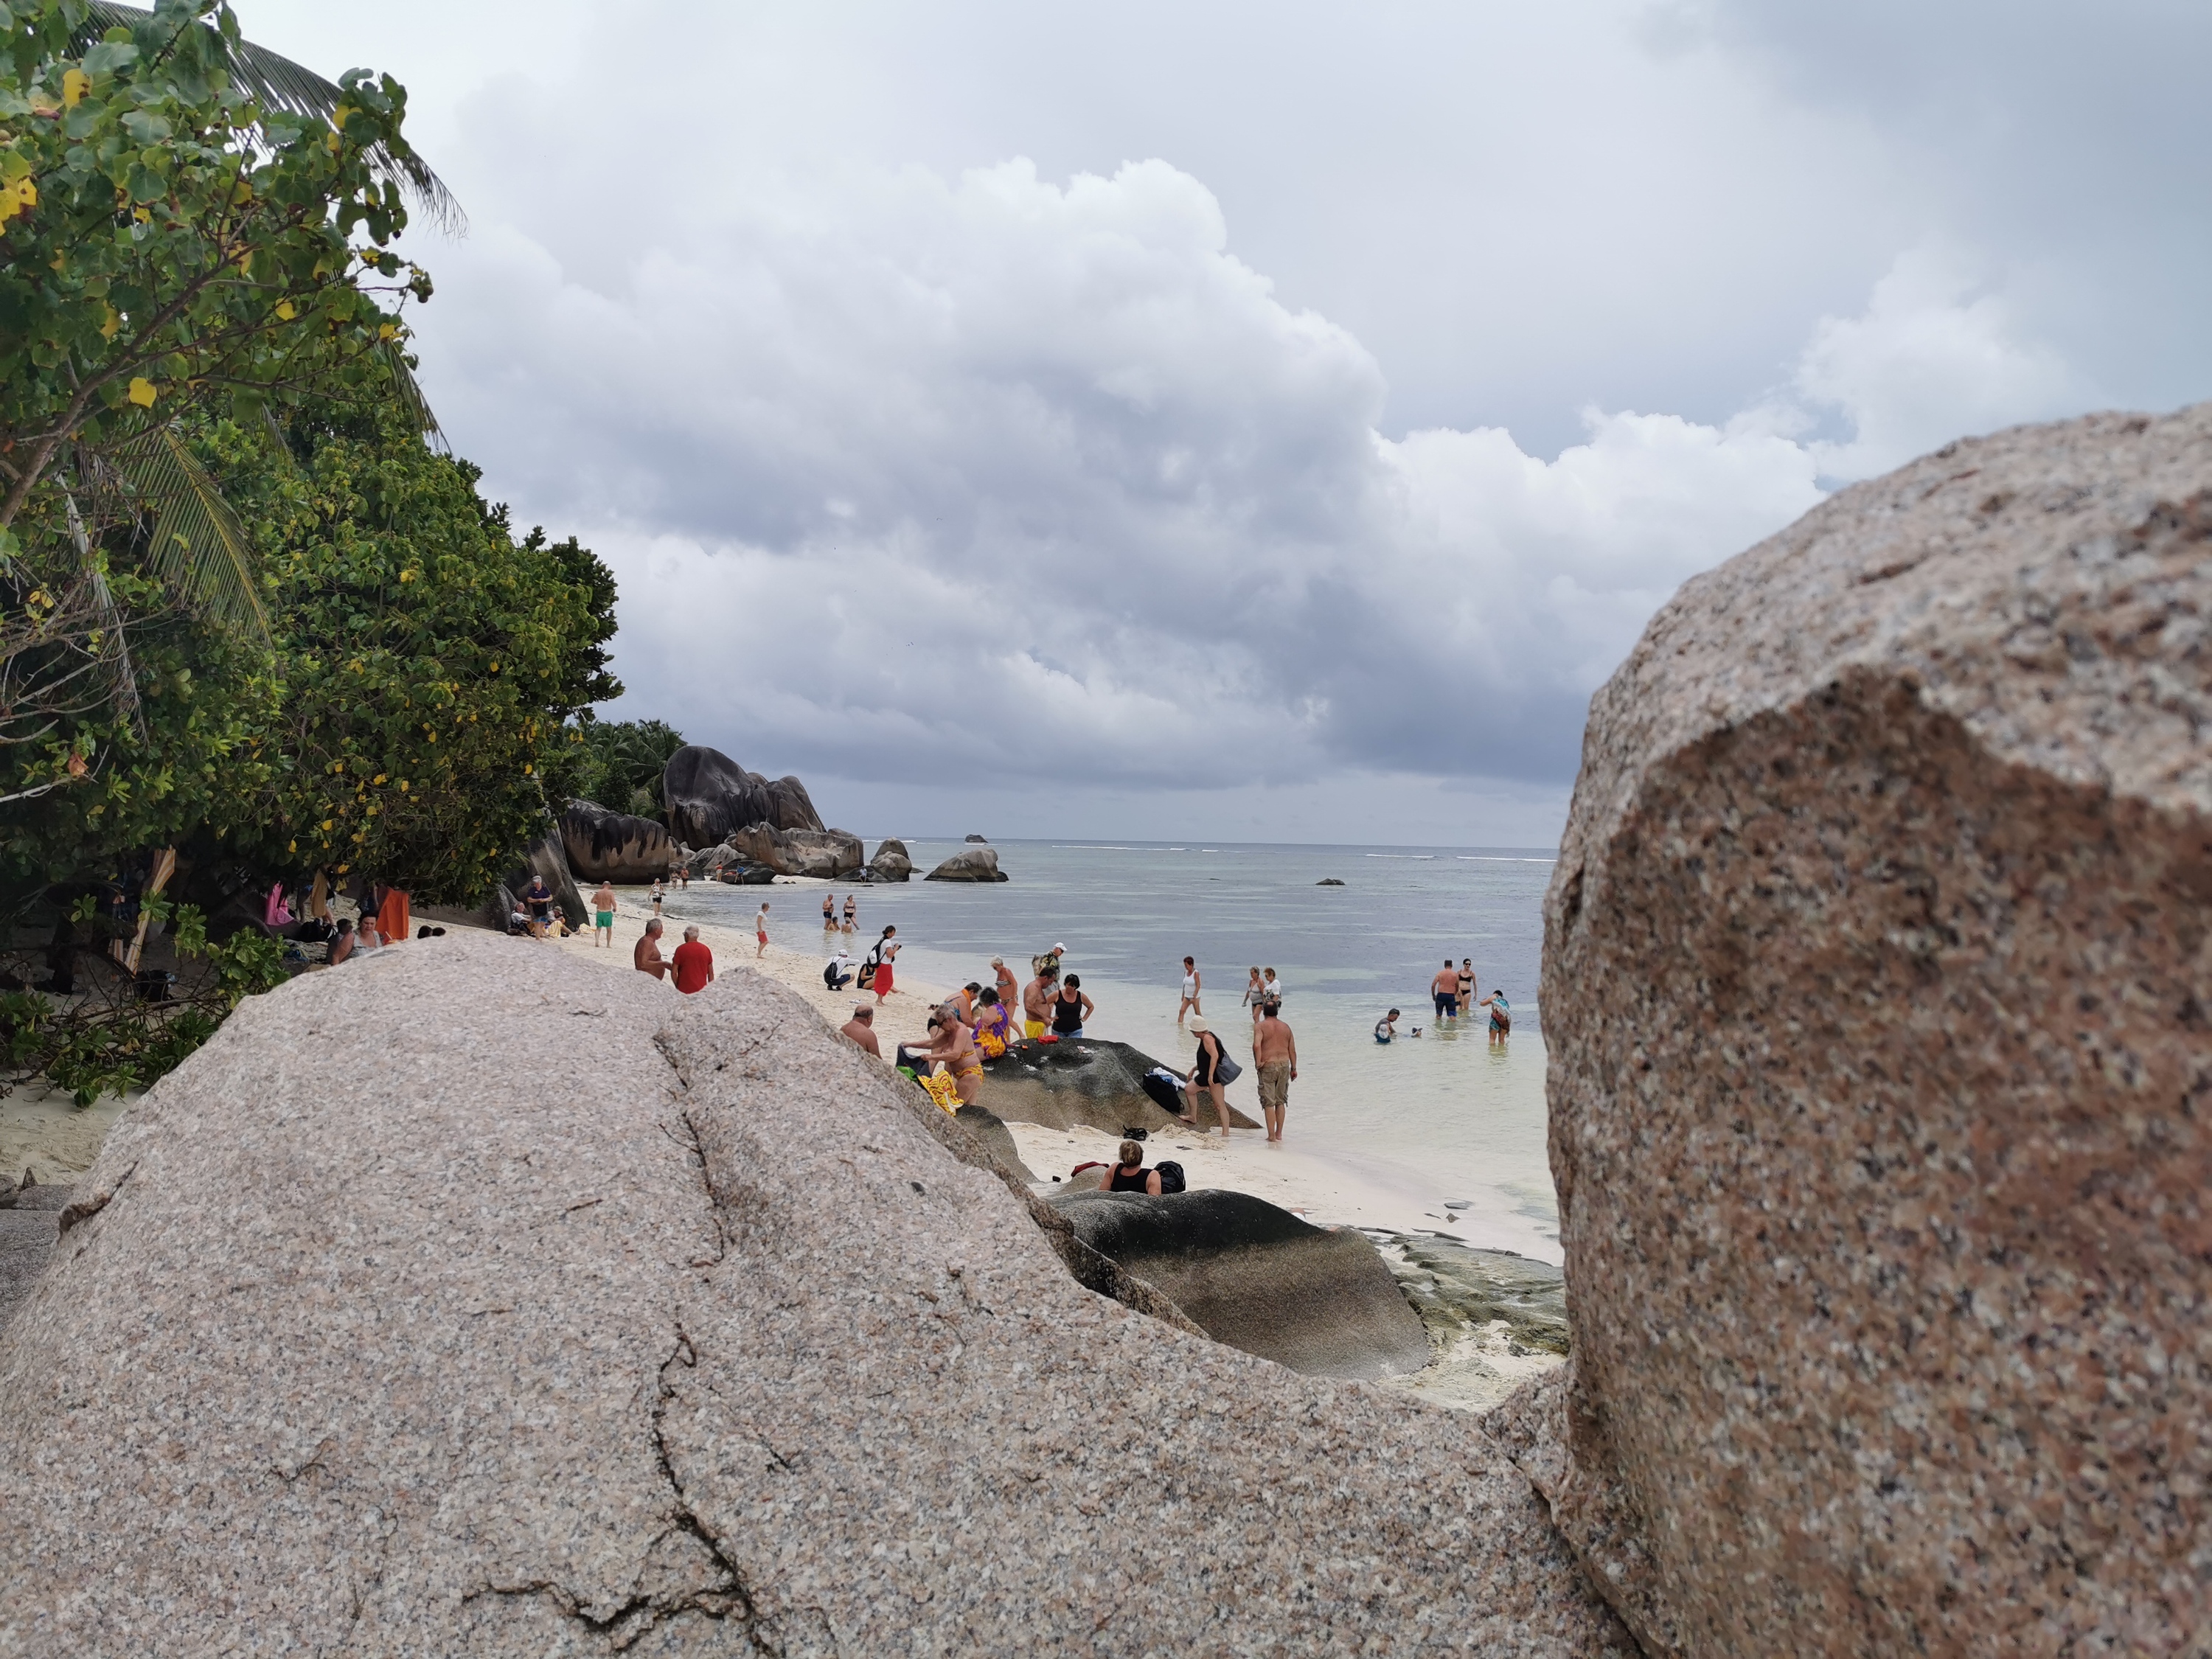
<point x="1267" y="421"/>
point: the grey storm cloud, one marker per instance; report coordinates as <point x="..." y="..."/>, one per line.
<point x="1254" y="396"/>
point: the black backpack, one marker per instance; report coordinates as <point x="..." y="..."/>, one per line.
<point x="1170" y="1174"/>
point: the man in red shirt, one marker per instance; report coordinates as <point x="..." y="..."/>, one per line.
<point x="694" y="963"/>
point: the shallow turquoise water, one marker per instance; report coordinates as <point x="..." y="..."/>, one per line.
<point x="1445" y="1116"/>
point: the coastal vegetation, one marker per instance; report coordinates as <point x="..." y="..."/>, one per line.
<point x="256" y="623"/>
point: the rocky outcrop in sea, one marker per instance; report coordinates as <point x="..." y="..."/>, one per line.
<point x="705" y="795"/>
<point x="971" y="864"/>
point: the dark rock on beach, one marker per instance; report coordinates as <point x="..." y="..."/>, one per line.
<point x="706" y="795"/>
<point x="998" y="1138"/>
<point x="975" y="864"/>
<point x="1874" y="977"/>
<point x="892" y="862"/>
<point x="1320" y="1301"/>
<point x="742" y="1357"/>
<point x="745" y="875"/>
<point x="1328" y="881"/>
<point x="1087" y="1080"/>
<point x="546" y="857"/>
<point x="817" y="852"/>
<point x="1457" y="1288"/>
<point x="605" y="846"/>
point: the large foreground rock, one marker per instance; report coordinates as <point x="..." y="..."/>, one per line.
<point x="706" y="795"/>
<point x="1875" y="982"/>
<point x="1087" y="1080"/>
<point x="819" y="852"/>
<point x="704" y="1344"/>
<point x="1319" y="1300"/>
<point x="974" y="864"/>
<point x="605" y="846"/>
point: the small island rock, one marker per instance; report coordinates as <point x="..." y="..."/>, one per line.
<point x="977" y="864"/>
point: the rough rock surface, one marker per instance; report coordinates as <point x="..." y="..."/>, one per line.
<point x="29" y="1216"/>
<point x="1875" y="977"/>
<point x="996" y="1138"/>
<point x="1455" y="1287"/>
<point x="1318" y="1300"/>
<point x="734" y="1356"/>
<point x="1091" y="1081"/>
<point x="706" y="795"/>
<point x="819" y="853"/>
<point x="892" y="862"/>
<point x="975" y="863"/>
<point x="605" y="846"/>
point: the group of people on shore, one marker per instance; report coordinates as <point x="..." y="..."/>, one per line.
<point x="1274" y="1048"/>
<point x="1453" y="993"/>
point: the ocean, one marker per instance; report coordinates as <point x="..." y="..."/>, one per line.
<point x="1443" y="1117"/>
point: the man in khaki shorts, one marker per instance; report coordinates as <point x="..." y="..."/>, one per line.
<point x="1275" y="1052"/>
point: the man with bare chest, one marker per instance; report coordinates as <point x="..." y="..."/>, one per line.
<point x="1275" y="1052"/>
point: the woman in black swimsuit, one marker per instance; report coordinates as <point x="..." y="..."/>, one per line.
<point x="1131" y="1176"/>
<point x="1070" y="1009"/>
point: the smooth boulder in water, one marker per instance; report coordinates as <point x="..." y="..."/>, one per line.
<point x="705" y="795"/>
<point x="1083" y="1080"/>
<point x="1320" y="1301"/>
<point x="975" y="864"/>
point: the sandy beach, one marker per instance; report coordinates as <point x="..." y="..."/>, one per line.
<point x="1303" y="1182"/>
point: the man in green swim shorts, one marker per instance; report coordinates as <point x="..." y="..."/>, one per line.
<point x="603" y="916"/>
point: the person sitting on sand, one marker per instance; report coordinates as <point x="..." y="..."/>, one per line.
<point x="647" y="957"/>
<point x="602" y="916"/>
<point x="1387" y="1027"/>
<point x="1275" y="1052"/>
<point x="950" y="1043"/>
<point x="1443" y="990"/>
<point x="1130" y="1174"/>
<point x="862" y="1029"/>
<point x="839" y="974"/>
<point x="694" y="963"/>
<point x="341" y="945"/>
<point x="1205" y="1074"/>
<point x="1501" y="1016"/>
<point x="1071" y="1009"/>
<point x="1037" y="1002"/>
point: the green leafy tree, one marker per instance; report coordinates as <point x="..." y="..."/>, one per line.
<point x="185" y="223"/>
<point x="616" y="763"/>
<point x="428" y="659"/>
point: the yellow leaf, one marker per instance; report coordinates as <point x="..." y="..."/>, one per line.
<point x="286" y="311"/>
<point x="241" y="193"/>
<point x="330" y="823"/>
<point x="406" y="575"/>
<point x="110" y="324"/>
<point x="244" y="263"/>
<point x="142" y="392"/>
<point x="75" y="84"/>
<point x="59" y="262"/>
<point x="339" y="116"/>
<point x="387" y="332"/>
<point x="331" y="142"/>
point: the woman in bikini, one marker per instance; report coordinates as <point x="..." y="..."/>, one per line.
<point x="852" y="910"/>
<point x="1466" y="987"/>
<point x="1254" y="995"/>
<point x="952" y="1044"/>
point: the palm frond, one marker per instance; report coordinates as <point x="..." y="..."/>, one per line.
<point x="408" y="393"/>
<point x="276" y="82"/>
<point x="199" y="546"/>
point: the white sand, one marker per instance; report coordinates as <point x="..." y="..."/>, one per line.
<point x="44" y="1131"/>
<point x="1303" y="1182"/>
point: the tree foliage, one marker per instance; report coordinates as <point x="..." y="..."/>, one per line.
<point x="427" y="657"/>
<point x="617" y="764"/>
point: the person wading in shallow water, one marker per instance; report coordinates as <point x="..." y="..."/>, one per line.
<point x="1501" y="1016"/>
<point x="1275" y="1052"/>
<point x="1444" y="991"/>
<point x="1191" y="986"/>
<point x="1466" y="986"/>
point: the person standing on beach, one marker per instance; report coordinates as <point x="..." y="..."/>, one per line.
<point x="1070" y="1008"/>
<point x="877" y="965"/>
<point x="1501" y="1016"/>
<point x="1271" y="987"/>
<point x="1466" y="986"/>
<point x="1191" y="986"/>
<point x="660" y="892"/>
<point x="760" y="931"/>
<point x="647" y="957"/>
<point x="1444" y="989"/>
<point x="602" y="916"/>
<point x="1204" y="1076"/>
<point x="1275" y="1052"/>
<point x="1254" y="995"/>
<point x="1002" y="978"/>
<point x="694" y="963"/>
<point x="1037" y="1002"/>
